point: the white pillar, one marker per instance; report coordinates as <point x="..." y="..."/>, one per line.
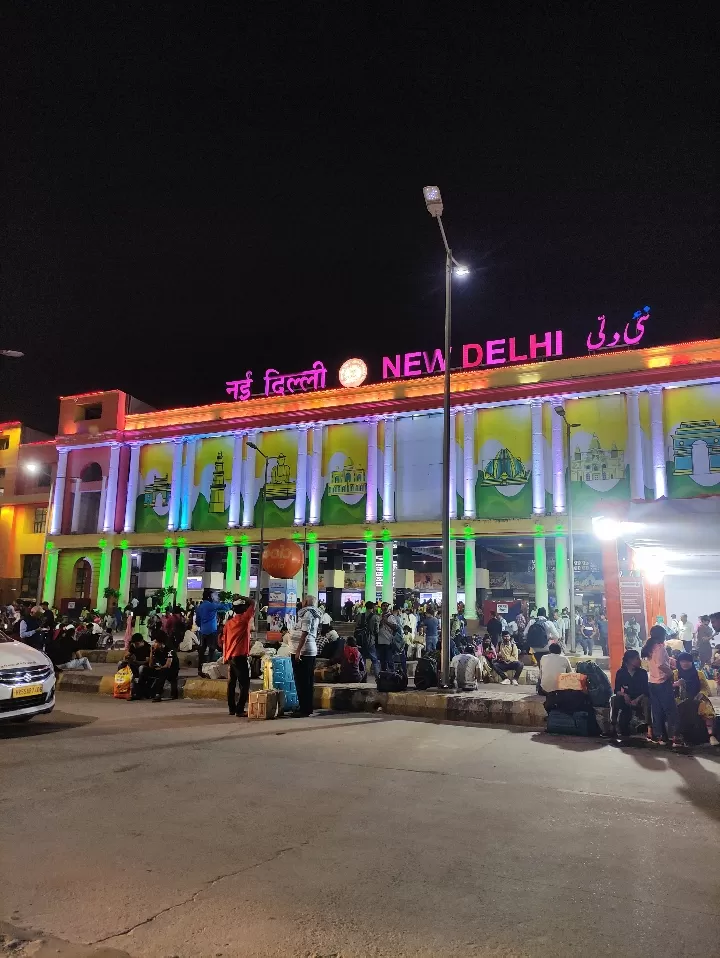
<point x="249" y="482"/>
<point x="187" y="483"/>
<point x="635" y="451"/>
<point x="372" y="477"/>
<point x="557" y="453"/>
<point x="453" y="466"/>
<point x="538" y="460"/>
<point x="301" y="483"/>
<point x="389" y="471"/>
<point x="175" y="485"/>
<point x="101" y="510"/>
<point x="132" y="486"/>
<point x="657" y="441"/>
<point x="59" y="493"/>
<point x="315" y="476"/>
<point x="469" y="463"/>
<point x="236" y="482"/>
<point x="108" y="520"/>
<point x="75" y="520"/>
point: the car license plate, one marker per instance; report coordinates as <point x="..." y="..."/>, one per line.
<point x="23" y="691"/>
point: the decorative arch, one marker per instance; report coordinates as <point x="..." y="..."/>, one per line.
<point x="92" y="473"/>
<point x="82" y="579"/>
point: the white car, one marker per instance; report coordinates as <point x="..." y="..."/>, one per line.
<point x="27" y="681"/>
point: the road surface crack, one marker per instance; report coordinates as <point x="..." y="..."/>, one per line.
<point x="192" y="898"/>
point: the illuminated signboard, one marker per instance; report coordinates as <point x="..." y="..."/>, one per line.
<point x="492" y="352"/>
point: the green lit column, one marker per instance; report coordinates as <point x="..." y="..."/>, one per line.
<point x="541" y="586"/>
<point x="125" y="563"/>
<point x="103" y="578"/>
<point x="244" y="581"/>
<point x="370" y="573"/>
<point x="181" y="576"/>
<point x="231" y="569"/>
<point x="562" y="586"/>
<point x="299" y="578"/>
<point x="470" y="579"/>
<point x="170" y="567"/>
<point x="387" y="572"/>
<point x="313" y="564"/>
<point x="453" y="576"/>
<point x="51" y="567"/>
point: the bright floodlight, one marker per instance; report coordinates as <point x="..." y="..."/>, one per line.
<point x="433" y="200"/>
<point x="462" y="271"/>
<point x="31" y="467"/>
<point x="12" y="353"/>
<point x="607" y="528"/>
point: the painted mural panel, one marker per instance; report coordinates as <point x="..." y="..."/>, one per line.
<point x="282" y="446"/>
<point x="692" y="437"/>
<point x="503" y="451"/>
<point x="210" y="497"/>
<point x="599" y="461"/>
<point x="418" y="467"/>
<point x="344" y="474"/>
<point x="154" y="481"/>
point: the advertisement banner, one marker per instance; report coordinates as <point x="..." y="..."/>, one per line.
<point x="632" y="604"/>
<point x="282" y="448"/>
<point x="154" y="480"/>
<point x="503" y="449"/>
<point x="210" y="497"/>
<point x="599" y="465"/>
<point x="282" y="602"/>
<point x="344" y="474"/>
<point x="692" y="433"/>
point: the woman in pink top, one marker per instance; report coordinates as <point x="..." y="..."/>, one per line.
<point x="662" y="696"/>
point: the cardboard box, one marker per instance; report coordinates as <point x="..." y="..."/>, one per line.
<point x="571" y="680"/>
<point x="266" y="704"/>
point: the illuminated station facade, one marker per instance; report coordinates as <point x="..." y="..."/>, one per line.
<point x="141" y="499"/>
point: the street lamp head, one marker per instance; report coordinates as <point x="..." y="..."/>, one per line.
<point x="252" y="446"/>
<point x="433" y="200"/>
<point x="462" y="271"/>
<point x="560" y="410"/>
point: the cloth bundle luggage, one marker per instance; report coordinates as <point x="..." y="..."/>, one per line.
<point x="598" y="684"/>
<point x="392" y="682"/>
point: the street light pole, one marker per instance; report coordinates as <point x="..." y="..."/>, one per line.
<point x="433" y="201"/>
<point x="560" y="411"/>
<point x="262" y="533"/>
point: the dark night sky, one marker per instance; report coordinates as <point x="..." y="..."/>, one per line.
<point x="192" y="190"/>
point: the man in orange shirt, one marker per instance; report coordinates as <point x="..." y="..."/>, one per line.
<point x="236" y="648"/>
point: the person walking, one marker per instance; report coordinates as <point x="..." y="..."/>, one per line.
<point x="236" y="649"/>
<point x="303" y="644"/>
<point x="207" y="622"/>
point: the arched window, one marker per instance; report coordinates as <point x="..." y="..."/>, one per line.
<point x="82" y="579"/>
<point x="91" y="473"/>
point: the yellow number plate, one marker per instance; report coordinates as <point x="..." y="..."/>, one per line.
<point x="25" y="690"/>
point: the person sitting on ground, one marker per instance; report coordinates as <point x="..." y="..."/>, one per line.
<point x="63" y="652"/>
<point x="327" y="642"/>
<point x="507" y="660"/>
<point x="466" y="670"/>
<point x="163" y="666"/>
<point x="352" y="664"/>
<point x="552" y="665"/>
<point x="632" y="696"/>
<point x="693" y="694"/>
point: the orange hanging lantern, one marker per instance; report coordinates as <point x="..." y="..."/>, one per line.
<point x="282" y="558"/>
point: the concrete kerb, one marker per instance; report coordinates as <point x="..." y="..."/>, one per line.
<point x="489" y="706"/>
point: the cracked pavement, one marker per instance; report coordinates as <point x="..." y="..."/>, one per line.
<point x="131" y="829"/>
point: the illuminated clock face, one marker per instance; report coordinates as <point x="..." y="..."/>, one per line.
<point x="353" y="372"/>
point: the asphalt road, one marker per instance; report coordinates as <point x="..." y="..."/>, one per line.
<point x="174" y="830"/>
